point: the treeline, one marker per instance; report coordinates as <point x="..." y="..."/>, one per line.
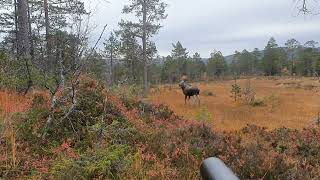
<point x="293" y="59"/>
<point x="45" y="44"/>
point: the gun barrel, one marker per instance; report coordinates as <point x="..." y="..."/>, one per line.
<point x="215" y="169"/>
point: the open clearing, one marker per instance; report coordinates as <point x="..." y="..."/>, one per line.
<point x="288" y="102"/>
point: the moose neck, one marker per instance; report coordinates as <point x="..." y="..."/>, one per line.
<point x="183" y="85"/>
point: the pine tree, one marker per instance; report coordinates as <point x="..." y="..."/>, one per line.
<point x="149" y="13"/>
<point x="216" y="64"/>
<point x="270" y="58"/>
<point x="169" y="70"/>
<point x="111" y="50"/>
<point x="257" y="60"/>
<point x="180" y="54"/>
<point x="308" y="55"/>
<point x="131" y="52"/>
<point x="292" y="46"/>
<point x="199" y="66"/>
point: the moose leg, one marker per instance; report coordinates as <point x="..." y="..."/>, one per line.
<point x="198" y="100"/>
<point x="194" y="99"/>
<point x="185" y="99"/>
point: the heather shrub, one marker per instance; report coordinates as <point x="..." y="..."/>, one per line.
<point x="107" y="137"/>
<point x="1" y="123"/>
<point x="162" y="111"/>
<point x="30" y="126"/>
<point x="88" y="111"/>
<point x="122" y="133"/>
<point x="104" y="163"/>
<point x="39" y="101"/>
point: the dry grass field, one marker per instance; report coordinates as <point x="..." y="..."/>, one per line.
<point x="287" y="102"/>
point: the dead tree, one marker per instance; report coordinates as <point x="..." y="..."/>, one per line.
<point x="308" y="6"/>
<point x="73" y="72"/>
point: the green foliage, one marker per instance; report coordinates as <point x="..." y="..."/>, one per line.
<point x="244" y="63"/>
<point x="103" y="163"/>
<point x="179" y="63"/>
<point x="168" y="146"/>
<point x="169" y="70"/>
<point x="39" y="101"/>
<point x="235" y="90"/>
<point x="2" y="125"/>
<point x="97" y="67"/>
<point x="216" y="64"/>
<point x="12" y="73"/>
<point x="31" y="127"/>
<point x="271" y="60"/>
<point x="250" y="95"/>
<point x="180" y="54"/>
<point x="195" y="67"/>
<point x="204" y="115"/>
<point x="317" y="66"/>
<point x="307" y="63"/>
<point x="88" y="112"/>
<point x="163" y="112"/>
<point x="111" y="52"/>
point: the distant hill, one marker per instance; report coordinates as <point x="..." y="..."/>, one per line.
<point x="229" y="58"/>
<point x="205" y="60"/>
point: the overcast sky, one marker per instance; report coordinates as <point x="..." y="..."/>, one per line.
<point x="225" y="25"/>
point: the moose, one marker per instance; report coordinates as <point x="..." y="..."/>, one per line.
<point x="189" y="91"/>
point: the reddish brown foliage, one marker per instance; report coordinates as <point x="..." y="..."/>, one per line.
<point x="11" y="102"/>
<point x="66" y="149"/>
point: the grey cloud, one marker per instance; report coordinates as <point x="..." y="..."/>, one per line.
<point x="228" y="25"/>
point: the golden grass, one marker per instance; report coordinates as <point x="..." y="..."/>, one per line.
<point x="10" y="103"/>
<point x="290" y="102"/>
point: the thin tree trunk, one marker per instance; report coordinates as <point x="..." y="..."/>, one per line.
<point x="16" y="27"/>
<point x="144" y="45"/>
<point x="292" y="64"/>
<point x="132" y="71"/>
<point x="111" y="66"/>
<point x="48" y="38"/>
<point x="23" y="38"/>
<point x="30" y="34"/>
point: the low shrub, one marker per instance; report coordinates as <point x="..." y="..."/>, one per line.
<point x="204" y="115"/>
<point x="106" y="163"/>
<point x="106" y="140"/>
<point x="208" y="93"/>
<point x="257" y="102"/>
<point x="30" y="126"/>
